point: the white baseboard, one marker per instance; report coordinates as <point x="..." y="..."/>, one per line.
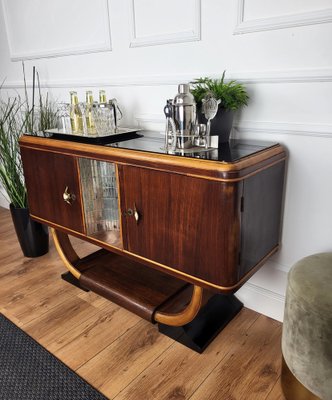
<point x="4" y="203"/>
<point x="262" y="300"/>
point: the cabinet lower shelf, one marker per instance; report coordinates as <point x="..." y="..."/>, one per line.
<point x="143" y="291"/>
<point x="137" y="288"/>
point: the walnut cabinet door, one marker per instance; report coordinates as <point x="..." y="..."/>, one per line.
<point x="186" y="223"/>
<point x="52" y="179"/>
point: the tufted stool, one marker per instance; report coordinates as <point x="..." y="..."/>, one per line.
<point x="307" y="330"/>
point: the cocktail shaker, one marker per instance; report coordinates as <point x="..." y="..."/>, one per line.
<point x="184" y="116"/>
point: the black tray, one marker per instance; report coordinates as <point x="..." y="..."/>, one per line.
<point x="121" y="135"/>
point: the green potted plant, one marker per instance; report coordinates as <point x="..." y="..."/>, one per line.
<point x="16" y="118"/>
<point x="232" y="96"/>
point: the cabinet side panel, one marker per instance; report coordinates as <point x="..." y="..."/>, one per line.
<point x="47" y="175"/>
<point x="189" y="224"/>
<point x="261" y="216"/>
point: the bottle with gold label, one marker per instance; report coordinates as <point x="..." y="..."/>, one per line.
<point x="90" y="125"/>
<point x="76" y="118"/>
<point x="102" y="96"/>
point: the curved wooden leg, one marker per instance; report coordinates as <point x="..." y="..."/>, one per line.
<point x="66" y="251"/>
<point x="185" y="316"/>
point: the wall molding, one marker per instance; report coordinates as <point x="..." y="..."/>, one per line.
<point x="279" y="22"/>
<point x="246" y="126"/>
<point x="313" y="75"/>
<point x="177" y="37"/>
<point x="305" y="75"/>
<point x="284" y="128"/>
<point x="75" y="50"/>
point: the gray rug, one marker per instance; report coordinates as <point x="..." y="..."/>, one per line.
<point x="30" y="372"/>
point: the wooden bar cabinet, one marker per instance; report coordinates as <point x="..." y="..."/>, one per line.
<point x="179" y="233"/>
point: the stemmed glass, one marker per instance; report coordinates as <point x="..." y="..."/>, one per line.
<point x="210" y="109"/>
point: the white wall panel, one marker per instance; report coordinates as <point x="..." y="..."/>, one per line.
<point x="165" y="22"/>
<point x="255" y="9"/>
<point x="38" y="28"/>
<point x="255" y="15"/>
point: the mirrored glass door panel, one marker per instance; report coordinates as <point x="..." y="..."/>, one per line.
<point x="100" y="200"/>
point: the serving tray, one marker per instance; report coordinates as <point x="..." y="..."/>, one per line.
<point x="120" y="135"/>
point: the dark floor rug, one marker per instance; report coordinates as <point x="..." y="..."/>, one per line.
<point x="30" y="372"/>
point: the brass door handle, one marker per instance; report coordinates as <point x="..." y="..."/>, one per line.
<point x="68" y="197"/>
<point x="133" y="212"/>
<point x="136" y="214"/>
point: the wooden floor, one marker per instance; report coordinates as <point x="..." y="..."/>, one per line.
<point x="124" y="356"/>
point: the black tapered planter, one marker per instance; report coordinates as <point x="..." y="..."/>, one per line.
<point x="32" y="235"/>
<point x="221" y="124"/>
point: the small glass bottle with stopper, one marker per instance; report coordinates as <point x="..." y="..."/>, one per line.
<point x="76" y="118"/>
<point x="90" y="125"/>
<point x="102" y="96"/>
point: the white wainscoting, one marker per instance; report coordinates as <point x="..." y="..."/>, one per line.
<point x="29" y="24"/>
<point x="319" y="16"/>
<point x="166" y="17"/>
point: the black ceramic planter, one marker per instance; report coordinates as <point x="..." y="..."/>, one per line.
<point x="221" y="124"/>
<point x="32" y="235"/>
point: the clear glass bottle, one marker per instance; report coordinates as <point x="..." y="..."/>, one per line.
<point x="102" y="97"/>
<point x="76" y="118"/>
<point x="90" y="125"/>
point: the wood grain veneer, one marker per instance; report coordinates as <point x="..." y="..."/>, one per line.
<point x="210" y="223"/>
<point x="215" y="170"/>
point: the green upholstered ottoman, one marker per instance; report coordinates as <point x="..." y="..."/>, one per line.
<point x="307" y="330"/>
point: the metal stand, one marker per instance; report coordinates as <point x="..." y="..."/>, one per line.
<point x="68" y="277"/>
<point x="210" y="320"/>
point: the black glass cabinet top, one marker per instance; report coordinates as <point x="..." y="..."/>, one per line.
<point x="231" y="151"/>
<point x="153" y="142"/>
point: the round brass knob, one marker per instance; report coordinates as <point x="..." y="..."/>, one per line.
<point x="132" y="213"/>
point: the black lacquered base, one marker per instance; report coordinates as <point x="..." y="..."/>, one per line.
<point x="68" y="277"/>
<point x="210" y="320"/>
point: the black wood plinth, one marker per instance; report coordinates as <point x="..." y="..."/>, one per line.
<point x="68" y="277"/>
<point x="211" y="319"/>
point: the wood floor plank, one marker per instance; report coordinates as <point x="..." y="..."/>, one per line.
<point x="124" y="356"/>
<point x="179" y="371"/>
<point x="254" y="365"/>
<point x="59" y="320"/>
<point x="116" y="366"/>
<point x="28" y="306"/>
<point x="35" y="280"/>
<point x="93" y="299"/>
<point x="276" y="392"/>
<point x="82" y="343"/>
<point x="14" y="266"/>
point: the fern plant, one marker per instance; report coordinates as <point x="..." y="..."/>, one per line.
<point x="232" y="95"/>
